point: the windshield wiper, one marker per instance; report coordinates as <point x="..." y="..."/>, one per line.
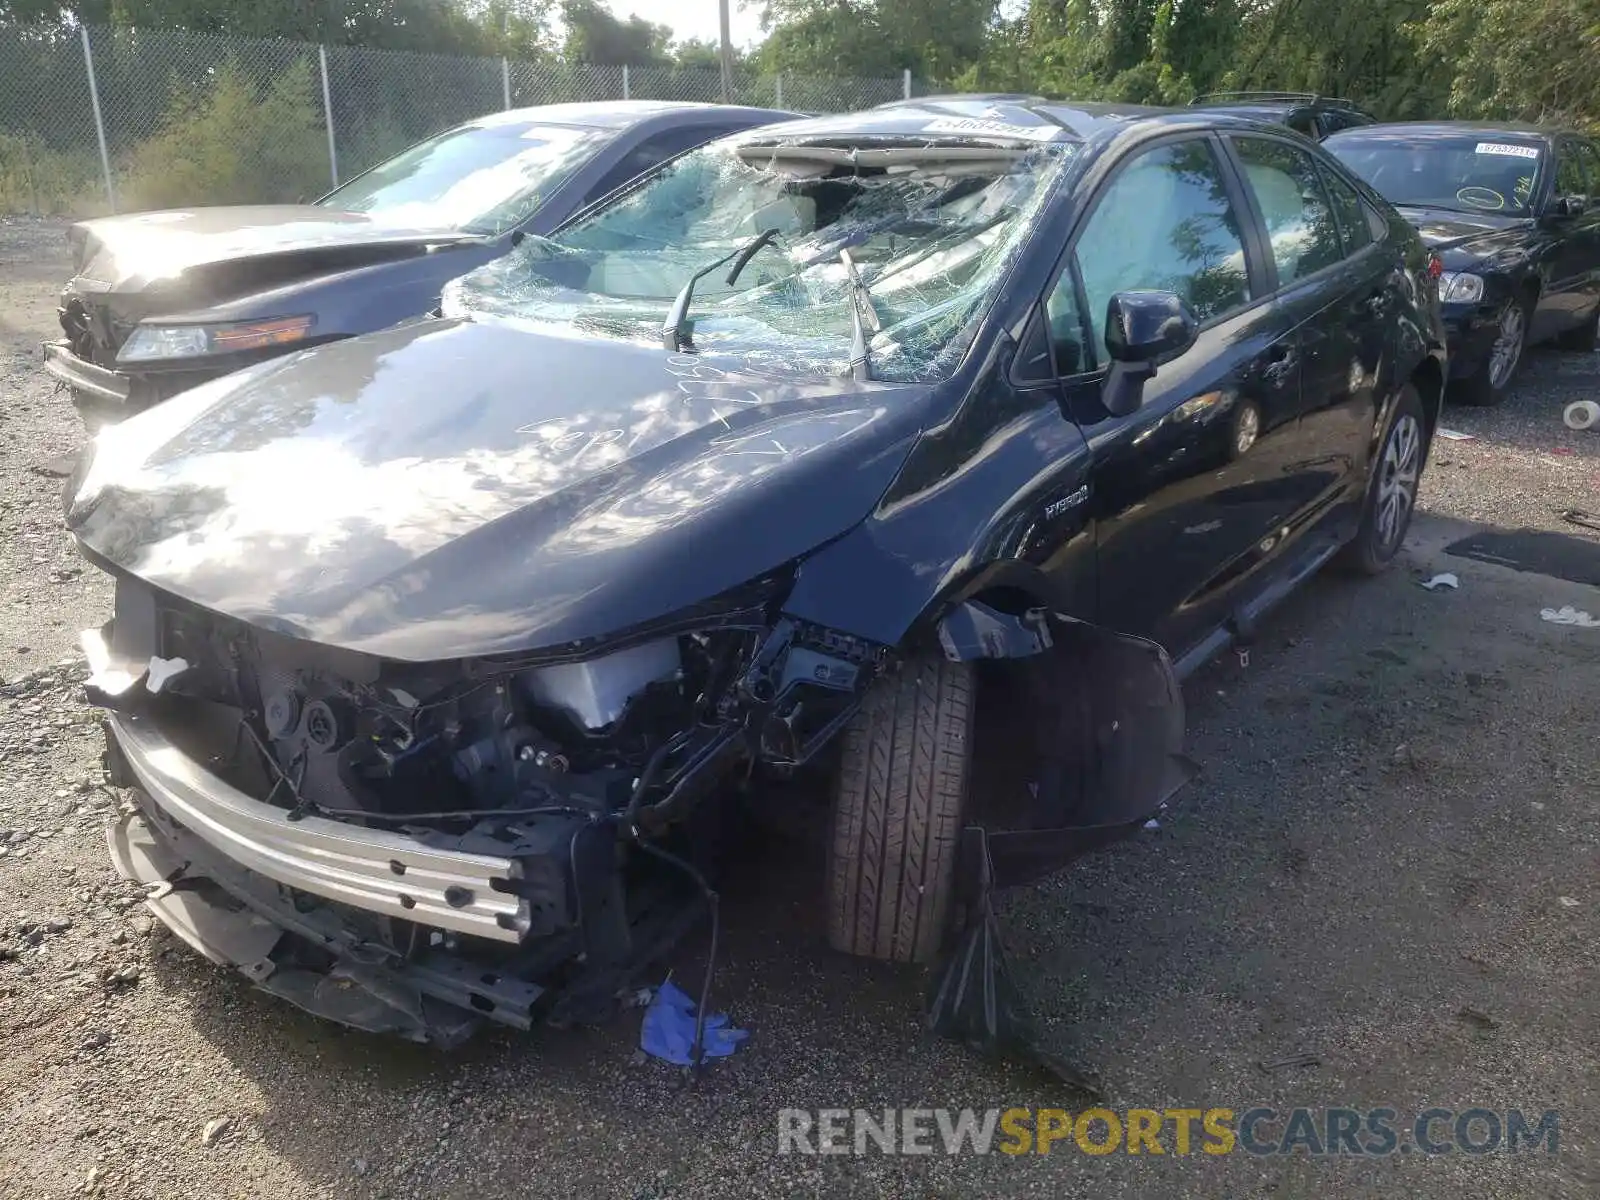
<point x="675" y="329"/>
<point x="860" y="298"/>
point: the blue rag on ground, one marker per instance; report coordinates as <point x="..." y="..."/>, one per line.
<point x="668" y="1029"/>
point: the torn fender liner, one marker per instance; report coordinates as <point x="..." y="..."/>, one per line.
<point x="974" y="998"/>
<point x="1107" y="727"/>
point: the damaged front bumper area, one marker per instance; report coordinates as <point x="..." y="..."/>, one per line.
<point x="374" y="929"/>
<point x="417" y="849"/>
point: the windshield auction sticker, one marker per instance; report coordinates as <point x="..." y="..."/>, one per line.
<point x="1314" y="1132"/>
<point x="974" y="127"/>
<point x="1508" y="150"/>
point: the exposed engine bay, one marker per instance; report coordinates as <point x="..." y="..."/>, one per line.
<point x="416" y="823"/>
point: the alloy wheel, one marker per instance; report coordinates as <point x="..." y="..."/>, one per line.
<point x="1507" y="349"/>
<point x="1398" y="472"/>
<point x="1249" y="428"/>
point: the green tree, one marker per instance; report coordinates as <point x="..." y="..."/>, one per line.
<point x="935" y="39"/>
<point x="232" y="143"/>
<point x="1531" y="60"/>
<point x="595" y="36"/>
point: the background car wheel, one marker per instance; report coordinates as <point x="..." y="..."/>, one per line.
<point x="1493" y="379"/>
<point x="1392" y="490"/>
<point x="899" y="798"/>
<point x="1584" y="337"/>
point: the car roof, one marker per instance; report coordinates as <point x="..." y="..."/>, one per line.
<point x="623" y="114"/>
<point x="1271" y="111"/>
<point x="982" y="115"/>
<point x="1414" y="130"/>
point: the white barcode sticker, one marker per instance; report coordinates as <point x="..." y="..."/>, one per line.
<point x="1507" y="149"/>
<point x="974" y="127"/>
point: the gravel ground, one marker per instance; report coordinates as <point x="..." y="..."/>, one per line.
<point x="1388" y="863"/>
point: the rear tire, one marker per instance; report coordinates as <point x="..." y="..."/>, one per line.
<point x="899" y="799"/>
<point x="1392" y="489"/>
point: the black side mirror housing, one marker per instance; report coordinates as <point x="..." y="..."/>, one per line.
<point x="1568" y="206"/>
<point x="1143" y="330"/>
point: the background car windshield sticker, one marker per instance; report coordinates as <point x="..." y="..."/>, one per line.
<point x="1507" y="150"/>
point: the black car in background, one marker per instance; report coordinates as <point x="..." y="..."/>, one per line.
<point x="161" y="301"/>
<point x="801" y="453"/>
<point x="1513" y="212"/>
<point x="1305" y="112"/>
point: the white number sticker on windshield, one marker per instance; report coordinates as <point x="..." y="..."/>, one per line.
<point x="976" y="128"/>
<point x="1507" y="150"/>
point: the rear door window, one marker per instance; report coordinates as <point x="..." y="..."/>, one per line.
<point x="1294" y="208"/>
<point x="1355" y="222"/>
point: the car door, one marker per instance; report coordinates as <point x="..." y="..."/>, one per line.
<point x="1587" y="232"/>
<point x="1569" y="288"/>
<point x="1185" y="492"/>
<point x="1334" y="288"/>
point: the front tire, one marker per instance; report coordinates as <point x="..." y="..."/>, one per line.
<point x="1392" y="489"/>
<point x="899" y="799"/>
<point x="1490" y="383"/>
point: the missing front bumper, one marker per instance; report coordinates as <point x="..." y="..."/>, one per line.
<point x="107" y="388"/>
<point x="375" y="870"/>
<point x="311" y="959"/>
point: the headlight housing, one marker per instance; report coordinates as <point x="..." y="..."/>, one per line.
<point x="151" y="343"/>
<point x="1460" y="287"/>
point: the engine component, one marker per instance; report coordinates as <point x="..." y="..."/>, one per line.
<point x="281" y="714"/>
<point x="596" y="692"/>
<point x="326" y="727"/>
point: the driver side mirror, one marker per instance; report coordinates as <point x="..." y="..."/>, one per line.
<point x="1143" y="330"/>
<point x="1568" y="206"/>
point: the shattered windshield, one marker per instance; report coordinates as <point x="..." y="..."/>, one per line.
<point x="477" y="179"/>
<point x="927" y="229"/>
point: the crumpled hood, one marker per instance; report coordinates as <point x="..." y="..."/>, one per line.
<point x="1469" y="235"/>
<point x="450" y="488"/>
<point x="144" y="250"/>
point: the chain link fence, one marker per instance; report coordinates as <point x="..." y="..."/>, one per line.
<point x="96" y="120"/>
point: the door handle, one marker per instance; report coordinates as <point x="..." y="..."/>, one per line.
<point x="1281" y="362"/>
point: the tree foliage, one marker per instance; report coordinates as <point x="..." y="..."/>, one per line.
<point x="595" y="36"/>
<point x="1525" y="59"/>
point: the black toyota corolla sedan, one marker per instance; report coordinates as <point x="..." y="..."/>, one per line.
<point x="438" y="652"/>
<point x="161" y="301"/>
<point x="1514" y="214"/>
